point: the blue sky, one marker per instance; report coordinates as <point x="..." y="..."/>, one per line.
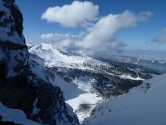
<point x="145" y="30"/>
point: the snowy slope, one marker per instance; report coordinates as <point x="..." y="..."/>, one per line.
<point x="82" y="71"/>
<point x="52" y="56"/>
<point x="83" y="80"/>
<point x="73" y="95"/>
<point x="55" y="57"/>
<point x="143" y="105"/>
<point x="14" y="115"/>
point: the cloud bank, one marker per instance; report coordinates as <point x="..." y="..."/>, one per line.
<point x="100" y="35"/>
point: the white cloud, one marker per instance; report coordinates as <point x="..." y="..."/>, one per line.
<point x="29" y="41"/>
<point x="56" y="36"/>
<point x="115" y="45"/>
<point x="148" y="13"/>
<point x="165" y="30"/>
<point x="78" y="13"/>
<point x="61" y="40"/>
<point x="102" y="33"/>
<point x="160" y="39"/>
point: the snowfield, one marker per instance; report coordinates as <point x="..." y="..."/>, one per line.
<point x="87" y="98"/>
<point x="143" y="105"/>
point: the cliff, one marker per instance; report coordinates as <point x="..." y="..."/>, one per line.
<point x="20" y="88"/>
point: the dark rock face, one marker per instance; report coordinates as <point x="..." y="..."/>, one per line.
<point x="53" y="109"/>
<point x="15" y="17"/>
<point x="17" y="93"/>
<point x="19" y="87"/>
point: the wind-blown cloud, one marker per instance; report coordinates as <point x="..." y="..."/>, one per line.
<point x="56" y="36"/>
<point x="60" y="40"/>
<point x="102" y="33"/>
<point x="164" y="29"/>
<point x="161" y="39"/>
<point x="78" y="13"/>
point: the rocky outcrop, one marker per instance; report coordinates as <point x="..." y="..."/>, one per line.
<point x="19" y="87"/>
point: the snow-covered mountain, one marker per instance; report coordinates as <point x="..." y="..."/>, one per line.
<point x="83" y="77"/>
<point x="143" y="105"/>
<point x="45" y="82"/>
